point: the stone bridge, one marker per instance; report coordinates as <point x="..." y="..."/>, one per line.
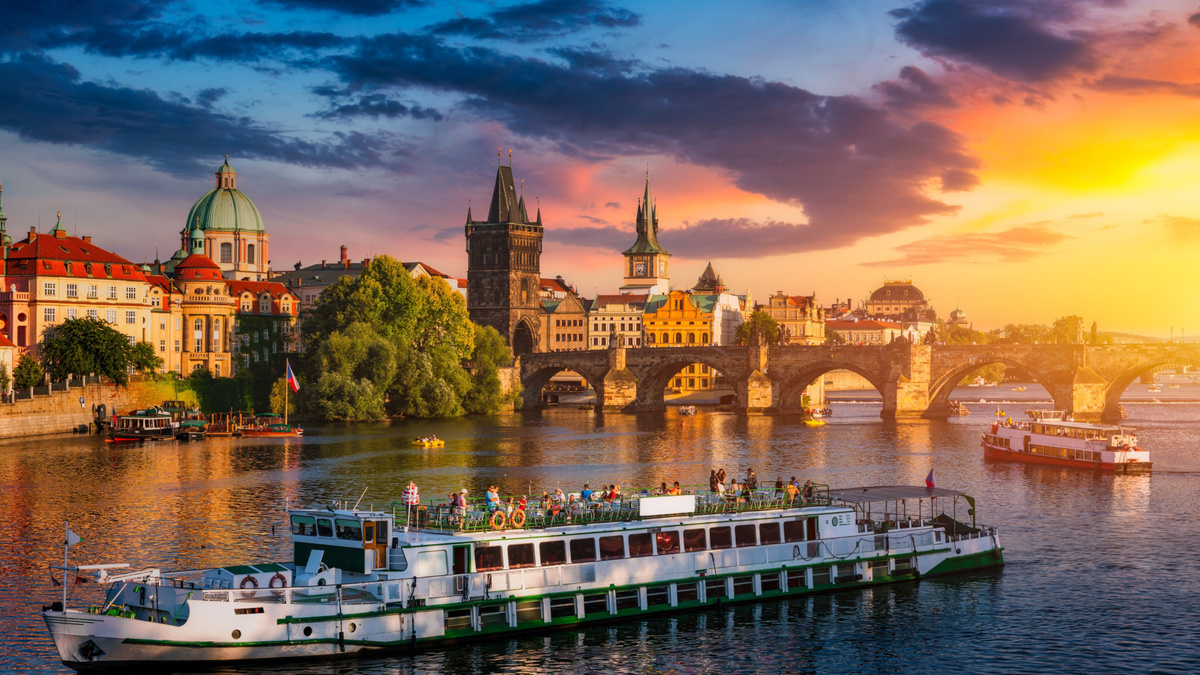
<point x="915" y="380"/>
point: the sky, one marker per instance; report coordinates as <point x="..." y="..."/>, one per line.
<point x="1020" y="159"/>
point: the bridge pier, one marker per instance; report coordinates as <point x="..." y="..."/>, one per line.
<point x="906" y="392"/>
<point x="618" y="388"/>
<point x="756" y="395"/>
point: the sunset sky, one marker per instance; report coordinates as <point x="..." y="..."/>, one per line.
<point x="1024" y="159"/>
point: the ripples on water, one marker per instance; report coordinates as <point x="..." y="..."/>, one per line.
<point x="1099" y="574"/>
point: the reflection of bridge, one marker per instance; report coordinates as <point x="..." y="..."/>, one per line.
<point x="915" y="380"/>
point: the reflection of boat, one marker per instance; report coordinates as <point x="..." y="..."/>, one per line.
<point x="363" y="581"/>
<point x="687" y="410"/>
<point x="429" y="442"/>
<point x="152" y="424"/>
<point x="814" y="423"/>
<point x="268" y="425"/>
<point x="1049" y="438"/>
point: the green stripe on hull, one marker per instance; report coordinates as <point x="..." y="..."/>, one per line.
<point x="973" y="561"/>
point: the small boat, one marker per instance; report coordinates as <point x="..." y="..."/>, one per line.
<point x="192" y="430"/>
<point x="687" y="410"/>
<point x="956" y="408"/>
<point x="429" y="442"/>
<point x="1020" y="388"/>
<point x="151" y="424"/>
<point x="362" y="581"/>
<point x="1050" y="438"/>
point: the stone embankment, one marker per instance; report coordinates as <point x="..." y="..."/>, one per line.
<point x="59" y="412"/>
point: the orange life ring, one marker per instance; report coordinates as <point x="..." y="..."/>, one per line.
<point x="249" y="581"/>
<point x="497" y="520"/>
<point x="518" y="519"/>
<point x="278" y="577"/>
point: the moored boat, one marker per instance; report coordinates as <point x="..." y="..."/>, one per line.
<point x="1050" y="438"/>
<point x="370" y="581"/>
<point x="151" y="424"/>
<point x="270" y="425"/>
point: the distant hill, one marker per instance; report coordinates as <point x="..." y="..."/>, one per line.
<point x="1130" y="338"/>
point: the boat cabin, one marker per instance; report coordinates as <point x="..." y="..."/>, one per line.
<point x="348" y="539"/>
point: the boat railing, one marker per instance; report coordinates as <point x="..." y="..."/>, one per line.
<point x="479" y="516"/>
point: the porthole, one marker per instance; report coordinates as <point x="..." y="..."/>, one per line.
<point x="307" y="631"/>
<point x="353" y="627"/>
<point x="237" y="634"/>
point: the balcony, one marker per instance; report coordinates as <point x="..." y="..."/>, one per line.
<point x="14" y="296"/>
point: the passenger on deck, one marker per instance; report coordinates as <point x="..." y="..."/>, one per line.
<point x="493" y="498"/>
<point x="545" y="499"/>
<point x="662" y="489"/>
<point x="675" y="489"/>
<point x="712" y="480"/>
<point x="734" y="489"/>
<point x="751" y="480"/>
<point x="779" y="487"/>
<point x="586" y="494"/>
<point x="615" y="492"/>
<point x="793" y="491"/>
<point x="459" y="505"/>
<point x="720" y="475"/>
<point x="807" y="493"/>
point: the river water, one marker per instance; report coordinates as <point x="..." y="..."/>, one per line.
<point x="1100" y="574"/>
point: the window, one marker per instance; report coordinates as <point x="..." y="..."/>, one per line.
<point x="162" y="324"/>
<point x="488" y="558"/>
<point x="583" y="550"/>
<point x="49" y="288"/>
<point x="562" y="607"/>
<point x="769" y="582"/>
<point x="178" y="323"/>
<point x="130" y="316"/>
<point x="91" y="314"/>
<point x="657" y="596"/>
<point x="93" y="291"/>
<point x="72" y="290"/>
<point x="694" y="540"/>
<point x="48" y="314"/>
<point x="720" y="537"/>
<point x="350" y="530"/>
<point x="768" y="533"/>
<point x="131" y="293"/>
<point x="686" y="593"/>
<point x="613" y="548"/>
<point x="112" y="292"/>
<point x="177" y="345"/>
<point x="553" y="552"/>
<point x="226" y="253"/>
<point x="714" y="588"/>
<point x="72" y="313"/>
<point x="162" y="345"/>
<point x="111" y="316"/>
<point x="639" y="545"/>
<point x="250" y="254"/>
<point x="595" y="604"/>
<point x="745" y="535"/>
<point x="628" y="599"/>
<point x="667" y="542"/>
<point x="793" y="530"/>
<point x="305" y="526"/>
<point x="324" y="527"/>
<point x="520" y="555"/>
<point x="264" y="304"/>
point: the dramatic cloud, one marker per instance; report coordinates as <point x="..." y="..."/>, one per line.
<point x="353" y="7"/>
<point x="1013" y="38"/>
<point x="916" y="90"/>
<point x="856" y="170"/>
<point x="1138" y="85"/>
<point x="47" y="101"/>
<point x="118" y="41"/>
<point x="24" y="22"/>
<point x="1015" y="244"/>
<point x="1194" y="20"/>
<point x="378" y="105"/>
<point x="540" y="20"/>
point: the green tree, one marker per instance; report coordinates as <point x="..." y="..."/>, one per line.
<point x="355" y="362"/>
<point x="28" y="373"/>
<point x="144" y="359"/>
<point x="280" y="392"/>
<point x="490" y="354"/>
<point x="760" y="325"/>
<point x="1067" y="330"/>
<point x="832" y="337"/>
<point x="87" y="345"/>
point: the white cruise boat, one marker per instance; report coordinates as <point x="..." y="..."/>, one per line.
<point x="359" y="581"/>
<point x="1050" y="438"/>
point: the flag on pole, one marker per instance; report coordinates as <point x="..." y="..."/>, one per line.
<point x="72" y="538"/>
<point x="929" y="480"/>
<point x="291" y="378"/>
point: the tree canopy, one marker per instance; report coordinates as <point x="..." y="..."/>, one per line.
<point x="761" y="327"/>
<point x="89" y="345"/>
<point x="27" y="373"/>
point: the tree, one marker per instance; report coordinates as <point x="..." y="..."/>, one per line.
<point x="87" y="345"/>
<point x="761" y="329"/>
<point x="279" y="394"/>
<point x="832" y="337"/>
<point x="28" y="373"/>
<point x="144" y="359"/>
<point x="490" y="354"/>
<point x="356" y="362"/>
<point x="1067" y="330"/>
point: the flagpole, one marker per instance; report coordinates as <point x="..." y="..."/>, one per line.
<point x="286" y="385"/>
<point x="66" y="547"/>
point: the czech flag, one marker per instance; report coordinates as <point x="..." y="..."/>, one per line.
<point x="291" y="378"/>
<point x="929" y="480"/>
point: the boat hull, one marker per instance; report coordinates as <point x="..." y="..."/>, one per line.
<point x="1008" y="455"/>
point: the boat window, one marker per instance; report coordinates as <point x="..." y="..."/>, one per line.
<point x="720" y="537"/>
<point x="381" y="532"/>
<point x="554" y="552"/>
<point x="348" y="529"/>
<point x="793" y="530"/>
<point x="583" y="550"/>
<point x="520" y="555"/>
<point x="659" y="595"/>
<point x="686" y="593"/>
<point x="639" y="545"/>
<point x="667" y="542"/>
<point x="368" y="533"/>
<point x="431" y="564"/>
<point x="745" y="535"/>
<point x="612" y="548"/>
<point x="488" y="558"/>
<point x="305" y="526"/>
<point x="768" y="533"/>
<point x="694" y="540"/>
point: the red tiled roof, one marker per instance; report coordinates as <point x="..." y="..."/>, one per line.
<point x="197" y="266"/>
<point x="554" y="285"/>
<point x="47" y="254"/>
<point x="428" y="268"/>
<point x="276" y="289"/>
<point x="5" y="342"/>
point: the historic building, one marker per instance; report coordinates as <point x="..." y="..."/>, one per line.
<point x="647" y="262"/>
<point x="308" y="282"/>
<point x="266" y="323"/>
<point x="206" y="312"/>
<point x="503" y="267"/>
<point x="616" y="317"/>
<point x="866" y="332"/>
<point x="564" y="324"/>
<point x="894" y="298"/>
<point x="801" y="320"/>
<point x="231" y="229"/>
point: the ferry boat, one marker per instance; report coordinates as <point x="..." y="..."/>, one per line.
<point x="270" y="425"/>
<point x="1050" y="438"/>
<point x="363" y="581"/>
<point x="151" y="424"/>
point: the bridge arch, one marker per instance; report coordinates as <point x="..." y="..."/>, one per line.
<point x="792" y="382"/>
<point x="534" y="381"/>
<point x="1118" y="384"/>
<point x="653" y="380"/>
<point x="941" y="388"/>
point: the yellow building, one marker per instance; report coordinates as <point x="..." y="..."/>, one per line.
<point x="206" y="311"/>
<point x="799" y="316"/>
<point x="683" y="318"/>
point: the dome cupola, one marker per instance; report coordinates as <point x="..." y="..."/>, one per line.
<point x="225" y="208"/>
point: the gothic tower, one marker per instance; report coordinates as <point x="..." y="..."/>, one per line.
<point x="646" y="262"/>
<point x="504" y="267"/>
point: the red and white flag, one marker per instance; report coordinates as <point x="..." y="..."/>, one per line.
<point x="929" y="480"/>
<point x="291" y="378"/>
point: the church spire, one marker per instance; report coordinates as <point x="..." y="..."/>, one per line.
<point x="506" y="207"/>
<point x="647" y="224"/>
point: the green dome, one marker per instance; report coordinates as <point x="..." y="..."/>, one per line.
<point x="225" y="210"/>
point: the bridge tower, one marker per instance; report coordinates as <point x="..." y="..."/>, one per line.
<point x="504" y="266"/>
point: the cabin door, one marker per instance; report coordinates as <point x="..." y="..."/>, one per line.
<point x="461" y="557"/>
<point x="810" y="532"/>
<point x="375" y="539"/>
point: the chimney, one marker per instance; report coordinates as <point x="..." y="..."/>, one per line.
<point x="345" y="260"/>
<point x="322" y="264"/>
<point x="87" y="238"/>
<point x="32" y="232"/>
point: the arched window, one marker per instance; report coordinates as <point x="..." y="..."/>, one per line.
<point x="704" y="338"/>
<point x="250" y="254"/>
<point x="679" y="338"/>
<point x="216" y="342"/>
<point x="226" y="252"/>
<point x="691" y="338"/>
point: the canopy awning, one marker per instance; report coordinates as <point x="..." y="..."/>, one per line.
<point x="889" y="493"/>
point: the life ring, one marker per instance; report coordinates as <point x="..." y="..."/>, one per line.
<point x="278" y="577"/>
<point x="249" y="581"/>
<point x="497" y="520"/>
<point x="518" y="519"/>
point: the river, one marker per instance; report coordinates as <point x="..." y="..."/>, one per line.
<point x="1099" y="574"/>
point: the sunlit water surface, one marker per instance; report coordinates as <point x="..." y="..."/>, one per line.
<point x="1100" y="573"/>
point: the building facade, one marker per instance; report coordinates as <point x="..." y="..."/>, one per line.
<point x="564" y="324"/>
<point x="866" y="332"/>
<point x="503" y="267"/>
<point x="231" y="228"/>
<point x="616" y="317"/>
<point x="647" y="263"/>
<point x="801" y="320"/>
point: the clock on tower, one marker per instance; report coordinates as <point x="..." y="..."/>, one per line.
<point x="639" y="269"/>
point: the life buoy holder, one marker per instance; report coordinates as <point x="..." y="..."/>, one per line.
<point x="282" y="583"/>
<point x="249" y="581"/>
<point x="497" y="520"/>
<point x="518" y="519"/>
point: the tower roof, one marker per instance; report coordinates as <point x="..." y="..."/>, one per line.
<point x="647" y="226"/>
<point x="506" y="206"/>
<point x="225" y="208"/>
<point x="709" y="281"/>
